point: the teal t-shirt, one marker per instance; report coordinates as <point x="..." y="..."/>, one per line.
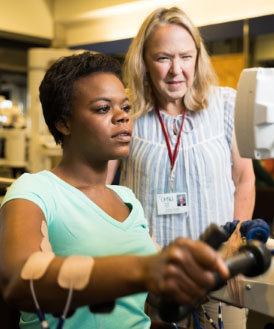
<point x="77" y="226"/>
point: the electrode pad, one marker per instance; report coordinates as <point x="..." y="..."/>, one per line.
<point x="36" y="265"/>
<point x="45" y="244"/>
<point x="75" y="272"/>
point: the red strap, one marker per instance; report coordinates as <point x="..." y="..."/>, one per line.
<point x="173" y="156"/>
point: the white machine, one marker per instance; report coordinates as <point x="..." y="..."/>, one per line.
<point x="254" y="113"/>
<point x="254" y="125"/>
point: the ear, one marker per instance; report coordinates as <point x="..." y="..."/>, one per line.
<point x="63" y="126"/>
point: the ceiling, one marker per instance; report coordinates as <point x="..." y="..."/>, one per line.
<point x="202" y="12"/>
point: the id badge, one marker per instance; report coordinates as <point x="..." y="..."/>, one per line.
<point x="172" y="203"/>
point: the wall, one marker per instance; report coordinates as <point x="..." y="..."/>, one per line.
<point x="84" y="24"/>
<point x="28" y="17"/>
<point x="228" y="68"/>
<point x="264" y="47"/>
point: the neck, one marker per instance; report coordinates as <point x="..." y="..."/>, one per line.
<point x="81" y="174"/>
<point x="173" y="109"/>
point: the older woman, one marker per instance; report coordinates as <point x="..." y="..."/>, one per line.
<point x="183" y="139"/>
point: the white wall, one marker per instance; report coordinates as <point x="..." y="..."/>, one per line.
<point x="84" y="24"/>
<point x="27" y="17"/>
<point x="71" y="10"/>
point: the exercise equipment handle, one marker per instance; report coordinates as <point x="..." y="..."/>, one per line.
<point x="252" y="259"/>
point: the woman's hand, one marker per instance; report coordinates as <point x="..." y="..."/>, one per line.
<point x="184" y="271"/>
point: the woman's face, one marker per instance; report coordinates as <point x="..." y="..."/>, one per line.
<point x="170" y="58"/>
<point x="100" y="126"/>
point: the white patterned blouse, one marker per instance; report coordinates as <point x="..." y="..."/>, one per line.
<point x="203" y="168"/>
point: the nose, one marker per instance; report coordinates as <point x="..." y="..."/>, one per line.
<point x="120" y="116"/>
<point x="176" y="66"/>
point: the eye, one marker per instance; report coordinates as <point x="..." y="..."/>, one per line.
<point x="126" y="108"/>
<point x="103" y="109"/>
<point x="162" y="58"/>
<point x="187" y="56"/>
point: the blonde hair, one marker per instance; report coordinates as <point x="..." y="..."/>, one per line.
<point x="135" y="77"/>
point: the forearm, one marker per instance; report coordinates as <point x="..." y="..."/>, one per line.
<point x="183" y="261"/>
<point x="111" y="277"/>
<point x="244" y="200"/>
<point x="244" y="181"/>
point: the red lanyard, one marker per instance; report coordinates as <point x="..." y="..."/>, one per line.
<point x="173" y="156"/>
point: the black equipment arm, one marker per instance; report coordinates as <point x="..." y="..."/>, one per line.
<point x="251" y="260"/>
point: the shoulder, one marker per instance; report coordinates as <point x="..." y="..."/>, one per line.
<point x="222" y="100"/>
<point x="29" y="186"/>
<point x="228" y="94"/>
<point x="148" y="116"/>
<point x="29" y="181"/>
<point x="144" y="126"/>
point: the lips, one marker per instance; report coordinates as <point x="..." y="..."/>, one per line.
<point x="175" y="82"/>
<point x="122" y="135"/>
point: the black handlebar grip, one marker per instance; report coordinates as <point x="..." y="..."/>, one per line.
<point x="251" y="260"/>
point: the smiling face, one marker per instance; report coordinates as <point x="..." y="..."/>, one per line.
<point x="170" y="58"/>
<point x="100" y="127"/>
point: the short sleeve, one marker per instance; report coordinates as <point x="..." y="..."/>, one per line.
<point x="33" y="188"/>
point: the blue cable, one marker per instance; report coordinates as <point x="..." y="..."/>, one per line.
<point x="62" y="318"/>
<point x="61" y="322"/>
<point x="220" y="318"/>
<point x="42" y="319"/>
<point x="196" y="321"/>
<point x="39" y="312"/>
<point x="210" y="320"/>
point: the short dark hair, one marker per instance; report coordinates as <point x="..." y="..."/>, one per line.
<point x="57" y="84"/>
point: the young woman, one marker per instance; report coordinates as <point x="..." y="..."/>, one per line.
<point x="67" y="238"/>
